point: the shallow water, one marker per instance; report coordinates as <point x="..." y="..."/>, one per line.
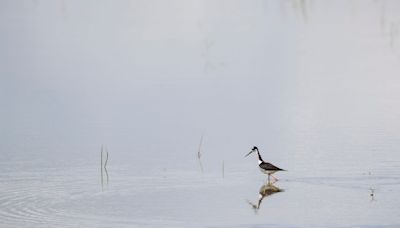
<point x="73" y="196"/>
<point x="313" y="84"/>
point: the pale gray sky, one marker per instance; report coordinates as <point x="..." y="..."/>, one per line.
<point x="155" y="75"/>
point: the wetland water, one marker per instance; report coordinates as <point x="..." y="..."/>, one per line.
<point x="314" y="84"/>
<point x="72" y="196"/>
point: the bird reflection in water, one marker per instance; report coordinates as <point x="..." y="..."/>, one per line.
<point x="266" y="190"/>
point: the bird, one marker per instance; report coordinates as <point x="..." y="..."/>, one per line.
<point x="265" y="167"/>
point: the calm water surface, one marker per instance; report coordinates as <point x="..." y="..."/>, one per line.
<point x="314" y="84"/>
<point x="72" y="196"/>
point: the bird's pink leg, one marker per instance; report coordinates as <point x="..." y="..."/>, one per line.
<point x="276" y="179"/>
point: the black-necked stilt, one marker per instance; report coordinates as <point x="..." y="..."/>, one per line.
<point x="265" y="167"/>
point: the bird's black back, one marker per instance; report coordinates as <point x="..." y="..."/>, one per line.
<point x="269" y="166"/>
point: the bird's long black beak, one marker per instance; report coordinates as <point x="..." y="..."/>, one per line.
<point x="249" y="153"/>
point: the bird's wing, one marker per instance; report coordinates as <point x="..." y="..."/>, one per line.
<point x="269" y="166"/>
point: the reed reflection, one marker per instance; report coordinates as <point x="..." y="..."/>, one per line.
<point x="103" y="167"/>
<point x="266" y="190"/>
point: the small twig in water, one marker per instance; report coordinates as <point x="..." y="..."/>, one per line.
<point x="199" y="151"/>
<point x="199" y="154"/>
<point x="372" y="194"/>
<point x="101" y="167"/>
<point x="201" y="166"/>
<point x="223" y="169"/>
<point x="105" y="165"/>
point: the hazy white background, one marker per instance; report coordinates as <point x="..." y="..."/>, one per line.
<point x="314" y="84"/>
<point x="152" y="77"/>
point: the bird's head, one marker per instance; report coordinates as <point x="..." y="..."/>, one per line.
<point x="252" y="150"/>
